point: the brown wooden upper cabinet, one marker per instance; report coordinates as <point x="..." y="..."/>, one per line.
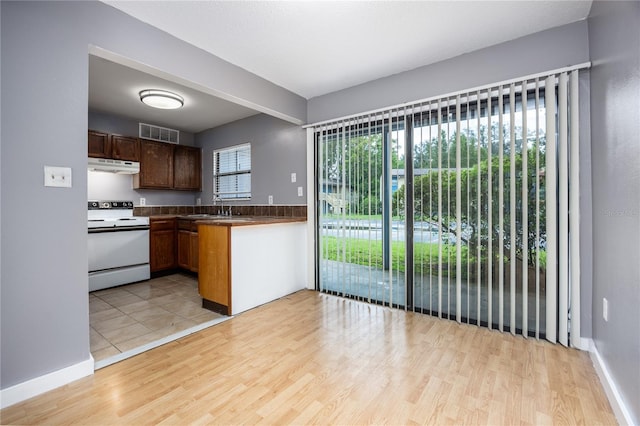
<point x="125" y="148"/>
<point x="156" y="166"/>
<point x="104" y="145"/>
<point x="168" y="166"/>
<point x="186" y="168"/>
<point x="99" y="144"/>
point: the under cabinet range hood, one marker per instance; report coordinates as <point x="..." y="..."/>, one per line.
<point x="113" y="166"/>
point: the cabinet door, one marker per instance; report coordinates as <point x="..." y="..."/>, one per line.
<point x="214" y="268"/>
<point x="156" y="166"/>
<point x="162" y="250"/>
<point x="186" y="166"/>
<point x="162" y="245"/>
<point x="99" y="144"/>
<point x="124" y="148"/>
<point x="193" y="253"/>
<point x="184" y="249"/>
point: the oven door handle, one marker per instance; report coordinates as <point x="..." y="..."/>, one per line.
<point x="119" y="229"/>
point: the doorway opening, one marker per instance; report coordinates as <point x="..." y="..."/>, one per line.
<point x="134" y="318"/>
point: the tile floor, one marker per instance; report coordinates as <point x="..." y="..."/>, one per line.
<point x="126" y="317"/>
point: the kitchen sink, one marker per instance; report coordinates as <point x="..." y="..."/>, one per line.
<point x="219" y="217"/>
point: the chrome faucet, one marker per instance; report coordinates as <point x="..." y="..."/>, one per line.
<point x="220" y="207"/>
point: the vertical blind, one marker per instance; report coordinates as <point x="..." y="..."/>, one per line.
<point x="232" y="172"/>
<point x="463" y="206"/>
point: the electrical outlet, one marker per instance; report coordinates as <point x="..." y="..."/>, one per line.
<point x="270" y="199"/>
<point x="605" y="309"/>
<point x="198" y="201"/>
<point x="143" y="201"/>
<point x="293" y="178"/>
<point x="300" y="191"/>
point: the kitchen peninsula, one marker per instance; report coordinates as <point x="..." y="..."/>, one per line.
<point x="245" y="261"/>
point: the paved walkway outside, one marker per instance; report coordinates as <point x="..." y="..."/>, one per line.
<point x="368" y="283"/>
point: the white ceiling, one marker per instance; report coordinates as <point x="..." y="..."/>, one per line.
<point x="314" y="47"/>
<point x="114" y="88"/>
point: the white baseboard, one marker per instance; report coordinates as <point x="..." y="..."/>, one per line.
<point x="622" y="413"/>
<point x="585" y="344"/>
<point x="30" y="388"/>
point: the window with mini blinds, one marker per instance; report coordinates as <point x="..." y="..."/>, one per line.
<point x="232" y="172"/>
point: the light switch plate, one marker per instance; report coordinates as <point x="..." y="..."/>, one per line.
<point x="57" y="176"/>
<point x="300" y="191"/>
<point x="293" y="177"/>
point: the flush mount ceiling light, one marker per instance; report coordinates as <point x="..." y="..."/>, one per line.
<point x="161" y="99"/>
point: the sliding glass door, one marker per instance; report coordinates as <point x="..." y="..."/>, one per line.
<point x="479" y="234"/>
<point x="358" y="253"/>
<point x="442" y="206"/>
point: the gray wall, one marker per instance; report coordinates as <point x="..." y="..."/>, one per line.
<point x="44" y="79"/>
<point x="44" y="311"/>
<point x="278" y="148"/>
<point x="543" y="51"/>
<point x="614" y="37"/>
<point x="109" y="186"/>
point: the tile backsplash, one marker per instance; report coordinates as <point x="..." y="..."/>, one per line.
<point x="279" y="211"/>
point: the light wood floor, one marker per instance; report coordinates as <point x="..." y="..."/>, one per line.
<point x="311" y="358"/>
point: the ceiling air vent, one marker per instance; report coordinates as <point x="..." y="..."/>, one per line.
<point x="160" y="134"/>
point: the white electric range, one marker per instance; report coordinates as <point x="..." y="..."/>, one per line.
<point x="118" y="244"/>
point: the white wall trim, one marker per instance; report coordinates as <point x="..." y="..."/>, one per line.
<point x="585" y="344"/>
<point x="39" y="385"/>
<point x="311" y="218"/>
<point x="622" y="413"/>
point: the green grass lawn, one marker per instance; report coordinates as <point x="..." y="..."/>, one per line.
<point x="425" y="255"/>
<point x="365" y="252"/>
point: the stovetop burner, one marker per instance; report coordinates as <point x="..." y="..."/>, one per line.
<point x="108" y="214"/>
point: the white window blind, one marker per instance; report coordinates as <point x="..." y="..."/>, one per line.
<point x="464" y="206"/>
<point x="232" y="172"/>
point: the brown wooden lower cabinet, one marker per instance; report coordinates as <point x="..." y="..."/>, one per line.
<point x="188" y="245"/>
<point x="162" y="244"/>
<point x="214" y="277"/>
<point x="183" y="249"/>
<point x="194" y="252"/>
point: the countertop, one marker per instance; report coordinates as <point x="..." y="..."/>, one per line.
<point x="215" y="220"/>
<point x="248" y="220"/>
